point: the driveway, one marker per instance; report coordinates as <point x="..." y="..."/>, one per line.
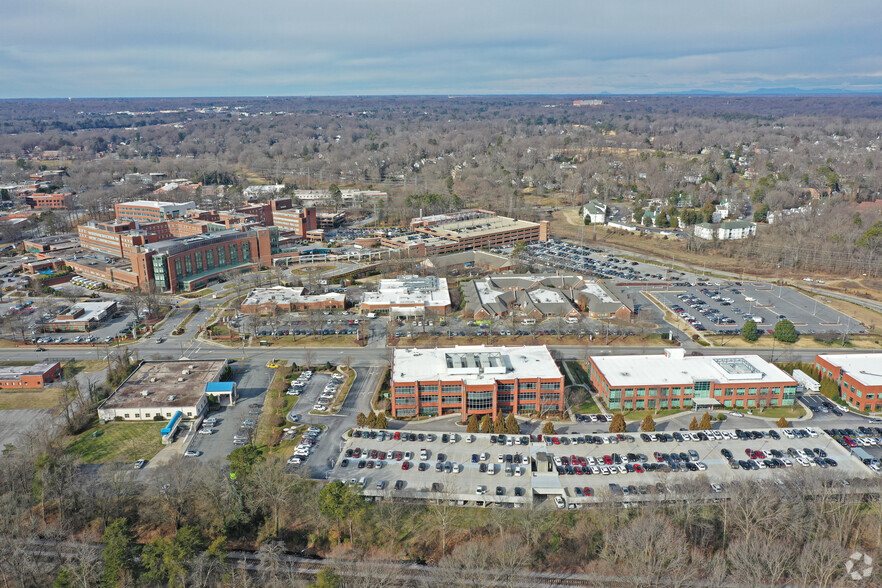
<point x="252" y="380"/>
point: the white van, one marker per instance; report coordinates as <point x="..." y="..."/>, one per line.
<point x="528" y="321"/>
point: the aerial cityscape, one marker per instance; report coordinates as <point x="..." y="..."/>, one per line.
<point x="573" y="325"/>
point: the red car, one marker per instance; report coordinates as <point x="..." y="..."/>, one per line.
<point x="658" y="457"/>
<point x="638" y="468"/>
<point x="397" y="435"/>
<point x="555" y="440"/>
<point x="587" y="491"/>
<point x="607" y="460"/>
<point x="405" y="465"/>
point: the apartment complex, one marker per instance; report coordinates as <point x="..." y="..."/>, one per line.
<point x="467" y="229"/>
<point x="725" y="231"/>
<point x="674" y="381"/>
<point x="146" y="211"/>
<point x="475" y="380"/>
<point x="859" y="376"/>
<point x="283" y="299"/>
<point x="408" y="295"/>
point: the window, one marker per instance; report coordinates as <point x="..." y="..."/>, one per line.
<point x="246" y="252"/>
<point x="178" y="267"/>
<point x="126" y="415"/>
<point x="479" y="400"/>
<point x="405" y="400"/>
<point x="404" y="390"/>
<point x="526" y="407"/>
<point x="526" y="385"/>
<point x="428" y="410"/>
<point x="675" y="403"/>
<point x="234" y="254"/>
<point x="527" y="396"/>
<point x="406" y="412"/>
<point x="615" y="394"/>
<point x="221" y="256"/>
<point x="428" y="388"/>
<point x="188" y="264"/>
<point x="429" y="399"/>
<point x="505" y="398"/>
<point x="451" y="399"/>
<point x="550" y="386"/>
<point x="628" y="405"/>
<point x="451" y="389"/>
<point x="505" y="387"/>
<point x="198" y="262"/>
<point x="209" y="259"/>
<point x="549" y="397"/>
<point x="641" y="391"/>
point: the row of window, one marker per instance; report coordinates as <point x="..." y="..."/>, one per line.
<point x="617" y="393"/>
<point x="457" y="388"/>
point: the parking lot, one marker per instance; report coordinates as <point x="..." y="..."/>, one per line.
<point x="252" y="380"/>
<point x="533" y="471"/>
<point x="724" y="307"/>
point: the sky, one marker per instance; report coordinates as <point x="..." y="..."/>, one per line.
<point x="122" y="48"/>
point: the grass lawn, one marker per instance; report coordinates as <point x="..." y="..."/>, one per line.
<point x="5" y="343"/>
<point x="308" y="341"/>
<point x="197" y="293"/>
<point x="45" y="398"/>
<point x="587" y="407"/>
<point x="118" y="442"/>
<point x="343" y="392"/>
<point x="272" y="418"/>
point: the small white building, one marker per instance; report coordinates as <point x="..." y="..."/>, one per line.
<point x="726" y="231"/>
<point x="595" y="211"/>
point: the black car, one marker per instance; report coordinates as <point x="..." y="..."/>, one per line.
<point x="399" y="484"/>
<point x="726" y="453"/>
<point x="500" y="491"/>
<point x="519" y="491"/>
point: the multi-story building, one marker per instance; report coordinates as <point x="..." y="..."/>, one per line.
<point x="146" y="211"/>
<point x="467" y="229"/>
<point x="190" y="263"/>
<point x="475" y="379"/>
<point x="50" y="201"/>
<point x="859" y="376"/>
<point x="408" y="295"/>
<point x="297" y="220"/>
<point x="673" y="380"/>
<point x="81" y="317"/>
<point x="725" y="231"/>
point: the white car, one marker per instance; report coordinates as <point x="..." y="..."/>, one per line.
<point x="560" y="502"/>
<point x="192" y="453"/>
<point x="481" y="490"/>
<point x="295" y="460"/>
<point x="206" y="431"/>
<point x="701" y="466"/>
<point x="716" y="488"/>
<point x="789" y="434"/>
<point x="735" y="414"/>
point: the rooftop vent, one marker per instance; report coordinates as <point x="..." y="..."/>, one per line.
<point x="192" y="367"/>
<point x="152" y="379"/>
<point x="185" y="372"/>
<point x="181" y="380"/>
<point x="145" y="393"/>
<point x="172" y="397"/>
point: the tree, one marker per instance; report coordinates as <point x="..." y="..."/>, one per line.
<point x="749" y="331"/>
<point x="785" y="332"/>
<point x="118" y="555"/>
<point x="511" y="425"/>
<point x="486" y="424"/>
<point x="360" y="420"/>
<point x="382" y="423"/>
<point x="166" y="560"/>
<point x="499" y="424"/>
<point x="328" y="578"/>
<point x="705" y="424"/>
<point x="618" y="423"/>
<point x="548" y="428"/>
<point x="473" y="426"/>
<point x="782" y="423"/>
<point x="648" y="424"/>
<point x="372" y="420"/>
<point x="340" y="501"/>
<point x="693" y="426"/>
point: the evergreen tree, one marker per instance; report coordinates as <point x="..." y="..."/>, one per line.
<point x="693" y="426"/>
<point x="618" y="423"/>
<point x="372" y="420"/>
<point x="360" y="419"/>
<point x="499" y="424"/>
<point x="648" y="424"/>
<point x="511" y="425"/>
<point x="705" y="424"/>
<point x="118" y="555"/>
<point x="749" y="331"/>
<point x="782" y="423"/>
<point x="785" y="332"/>
<point x="486" y="424"/>
<point x="548" y="429"/>
<point x="473" y="426"/>
<point x="382" y="423"/>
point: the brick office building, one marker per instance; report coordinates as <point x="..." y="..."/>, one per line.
<point x="475" y="379"/>
<point x="297" y="220"/>
<point x="50" y="201"/>
<point x="672" y="381"/>
<point x="146" y="211"/>
<point x="29" y="376"/>
<point x="859" y="376"/>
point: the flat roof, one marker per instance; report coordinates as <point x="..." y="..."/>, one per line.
<point x="675" y="369"/>
<point x="15" y="372"/>
<point x="473" y="364"/>
<point x="866" y="368"/>
<point x="157" y="384"/>
<point x="409" y="291"/>
<point x="92" y="311"/>
<point x="477" y="227"/>
<point x="285" y="295"/>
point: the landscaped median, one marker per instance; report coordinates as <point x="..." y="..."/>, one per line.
<point x="275" y="407"/>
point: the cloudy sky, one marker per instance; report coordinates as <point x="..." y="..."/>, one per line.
<point x="97" y="48"/>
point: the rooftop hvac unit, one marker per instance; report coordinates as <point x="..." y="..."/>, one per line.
<point x="181" y="380"/>
<point x="145" y="393"/>
<point x="171" y="397"/>
<point x="185" y="372"/>
<point x="192" y="367"/>
<point x="152" y="379"/>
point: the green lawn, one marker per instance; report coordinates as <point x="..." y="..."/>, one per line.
<point x="639" y="415"/>
<point x="587" y="407"/>
<point x="118" y="442"/>
<point x="782" y="411"/>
